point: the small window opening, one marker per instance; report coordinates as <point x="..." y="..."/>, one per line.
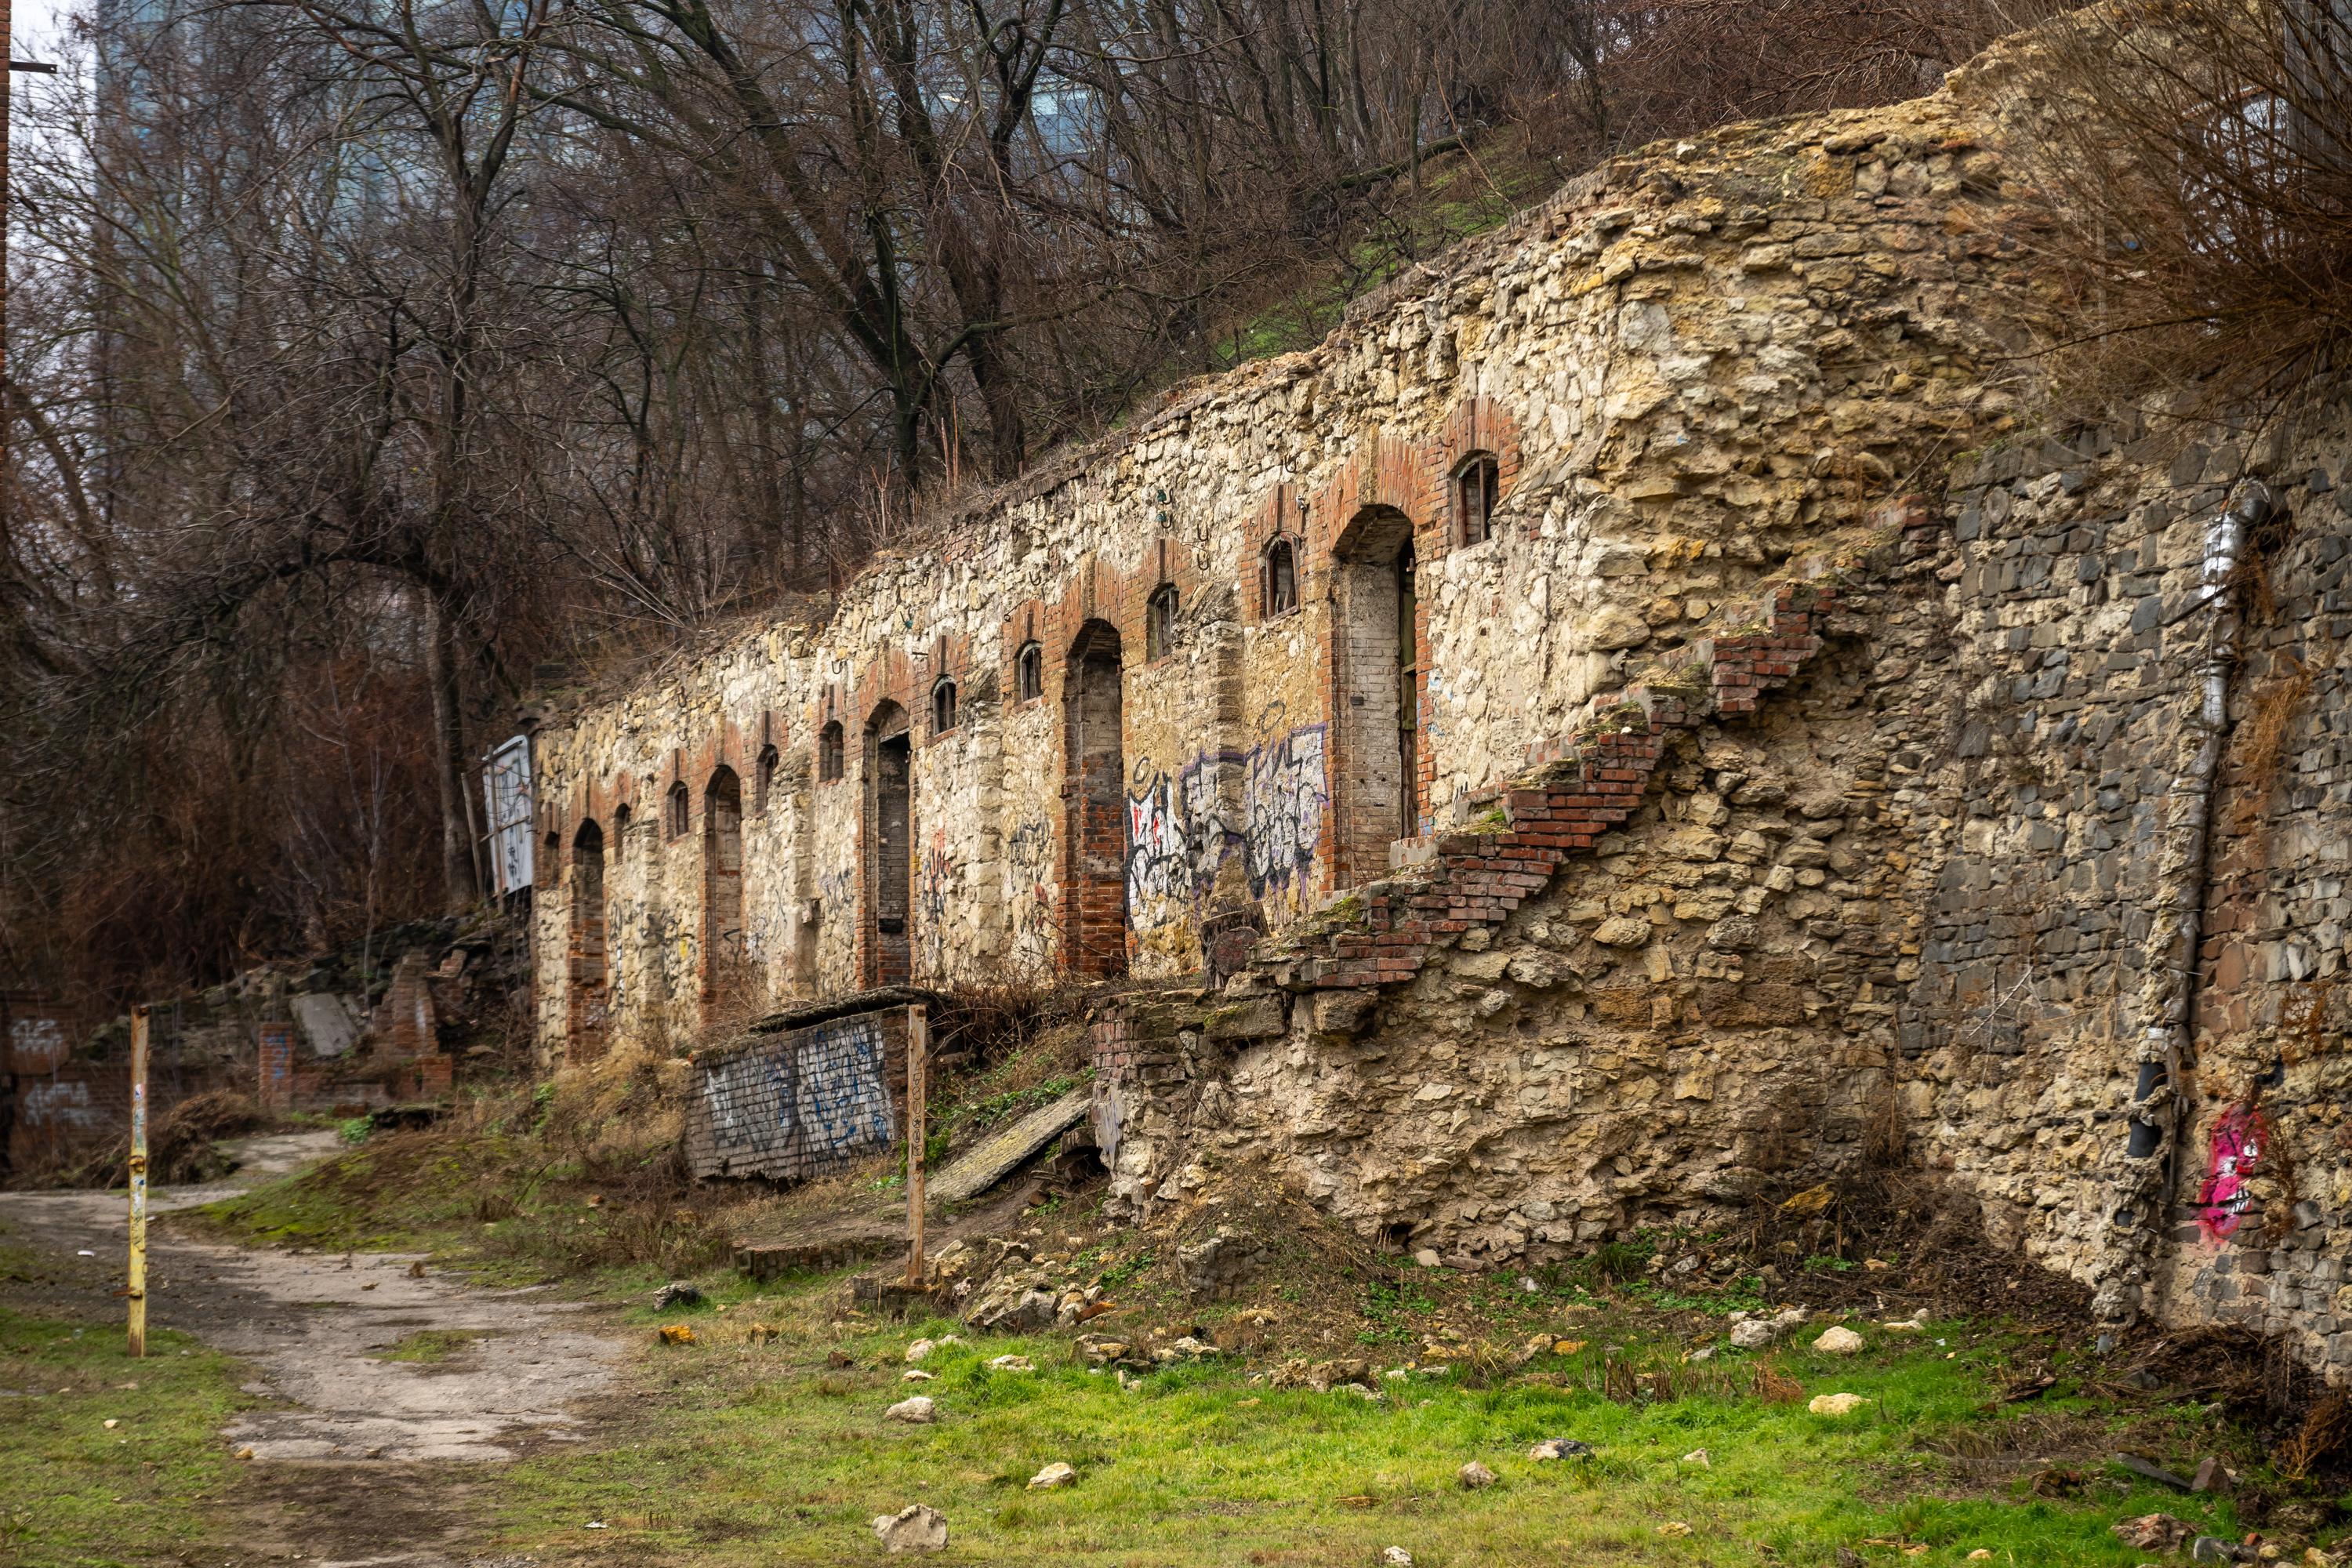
<point x="619" y="834"/>
<point x="828" y="753"/>
<point x="1160" y="622"/>
<point x="678" y="810"/>
<point x="1478" y="486"/>
<point x="763" y="779"/>
<point x="1029" y="672"/>
<point x="943" y="706"/>
<point x="1281" y="577"/>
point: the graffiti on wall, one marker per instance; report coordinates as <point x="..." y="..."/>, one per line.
<point x="935" y="885"/>
<point x="1285" y="797"/>
<point x="36" y="1044"/>
<point x="1180" y="832"/>
<point x="796" y="1104"/>
<point x="2241" y="1136"/>
<point x="64" y="1103"/>
<point x="1029" y="879"/>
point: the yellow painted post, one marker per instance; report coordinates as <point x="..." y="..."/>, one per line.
<point x="138" y="1291"/>
<point x="918" y="1050"/>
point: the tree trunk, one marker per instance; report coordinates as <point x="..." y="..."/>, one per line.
<point x="462" y="885"/>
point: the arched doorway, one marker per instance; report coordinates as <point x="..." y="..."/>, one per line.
<point x="725" y="964"/>
<point x="888" y="859"/>
<point x="1376" y="673"/>
<point x="1094" y="838"/>
<point x="591" y="990"/>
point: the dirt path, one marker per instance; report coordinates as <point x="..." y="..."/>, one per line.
<point x="361" y="1459"/>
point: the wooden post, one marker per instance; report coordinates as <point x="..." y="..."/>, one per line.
<point x="918" y="1050"/>
<point x="138" y="1291"/>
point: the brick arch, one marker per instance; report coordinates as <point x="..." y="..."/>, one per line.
<point x="1028" y="623"/>
<point x="1094" y="826"/>
<point x="589" y="977"/>
<point x="1476" y="424"/>
<point x="1390" y="488"/>
<point x="886" y="846"/>
<point x="725" y="967"/>
<point x="948" y="659"/>
<point x="1277" y="515"/>
<point x="1389" y="471"/>
<point x="596" y="799"/>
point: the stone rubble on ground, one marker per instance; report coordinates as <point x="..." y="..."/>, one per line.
<point x="1835" y="1404"/>
<point x="1057" y="1473"/>
<point x="917" y="1526"/>
<point x="1561" y="1448"/>
<point x="919" y="1410"/>
<point x="1475" y="1475"/>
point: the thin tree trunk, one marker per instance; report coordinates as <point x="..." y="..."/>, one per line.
<point x="461" y="884"/>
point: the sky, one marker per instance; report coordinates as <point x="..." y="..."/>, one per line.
<point x="37" y="25"/>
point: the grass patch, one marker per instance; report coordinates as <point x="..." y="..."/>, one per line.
<point x="433" y="1345"/>
<point x="765" y="1453"/>
<point x="146" y="1490"/>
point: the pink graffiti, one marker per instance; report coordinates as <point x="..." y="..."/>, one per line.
<point x="2238" y="1137"/>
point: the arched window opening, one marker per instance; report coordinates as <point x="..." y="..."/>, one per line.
<point x="763" y="779"/>
<point x="1478" y="486"/>
<point x="619" y="834"/>
<point x="1281" y="595"/>
<point x="943" y="706"/>
<point x="1029" y="672"/>
<point x="679" y="813"/>
<point x="828" y="753"/>
<point x="1160" y="622"/>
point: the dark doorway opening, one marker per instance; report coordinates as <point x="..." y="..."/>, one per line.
<point x="726" y="965"/>
<point x="889" y="846"/>
<point x="591" y="990"/>
<point x="1377" y="669"/>
<point x="1093" y="881"/>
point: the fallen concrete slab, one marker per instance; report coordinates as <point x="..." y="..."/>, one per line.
<point x="1008" y="1149"/>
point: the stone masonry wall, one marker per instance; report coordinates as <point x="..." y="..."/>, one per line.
<point x="1780" y="784"/>
<point x="1687" y="370"/>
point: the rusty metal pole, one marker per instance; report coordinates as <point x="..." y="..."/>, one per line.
<point x="138" y="1291"/>
<point x="918" y="1051"/>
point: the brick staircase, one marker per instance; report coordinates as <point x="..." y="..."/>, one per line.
<point x="1581" y="788"/>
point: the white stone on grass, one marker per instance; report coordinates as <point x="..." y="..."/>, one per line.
<point x="1056" y="1474"/>
<point x="917" y="1526"/>
<point x="919" y="1410"/>
<point x="1839" y="1340"/>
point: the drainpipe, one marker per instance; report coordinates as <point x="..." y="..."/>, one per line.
<point x="2168" y="977"/>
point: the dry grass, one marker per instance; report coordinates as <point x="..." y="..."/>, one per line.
<point x="2203" y="205"/>
<point x="2325" y="1432"/>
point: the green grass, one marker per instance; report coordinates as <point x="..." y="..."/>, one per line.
<point x="78" y="1493"/>
<point x="433" y="1345"/>
<point x="764" y="1454"/>
<point x="495" y="1205"/>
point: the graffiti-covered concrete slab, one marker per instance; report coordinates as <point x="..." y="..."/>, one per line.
<point x="794" y="1103"/>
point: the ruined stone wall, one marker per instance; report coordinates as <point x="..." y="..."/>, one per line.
<point x="1687" y="369"/>
<point x="2076" y="615"/>
<point x="1786" y="782"/>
